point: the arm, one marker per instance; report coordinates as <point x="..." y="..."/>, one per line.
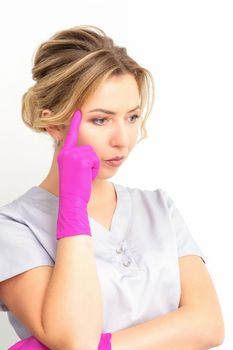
<point x="61" y="306"/>
<point x="177" y="330"/>
<point x="72" y="308"/>
<point x="196" y="325"/>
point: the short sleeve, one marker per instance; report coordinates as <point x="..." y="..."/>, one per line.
<point x="20" y="250"/>
<point x="186" y="245"/>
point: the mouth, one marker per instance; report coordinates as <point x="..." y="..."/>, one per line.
<point x="116" y="158"/>
<point x="115" y="162"/>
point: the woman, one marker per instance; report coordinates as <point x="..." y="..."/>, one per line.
<point x="86" y="263"/>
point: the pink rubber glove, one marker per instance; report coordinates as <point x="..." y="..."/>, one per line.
<point x="78" y="167"/>
<point x="32" y="343"/>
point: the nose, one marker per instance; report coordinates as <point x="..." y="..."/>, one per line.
<point x="120" y="135"/>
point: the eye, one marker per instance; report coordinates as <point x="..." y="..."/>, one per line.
<point x="135" y="116"/>
<point x="96" y="119"/>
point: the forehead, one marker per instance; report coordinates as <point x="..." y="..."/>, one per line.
<point x="114" y="93"/>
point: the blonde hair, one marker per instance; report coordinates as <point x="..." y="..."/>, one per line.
<point x="69" y="67"/>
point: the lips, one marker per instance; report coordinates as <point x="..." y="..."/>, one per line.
<point x="115" y="163"/>
<point x="116" y="158"/>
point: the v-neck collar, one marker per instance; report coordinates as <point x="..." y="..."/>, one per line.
<point x="121" y="216"/>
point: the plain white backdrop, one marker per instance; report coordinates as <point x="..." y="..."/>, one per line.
<point x="187" y="45"/>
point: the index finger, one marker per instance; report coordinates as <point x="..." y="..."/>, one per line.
<point x="72" y="135"/>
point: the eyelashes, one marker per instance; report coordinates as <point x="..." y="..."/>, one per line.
<point x="136" y="116"/>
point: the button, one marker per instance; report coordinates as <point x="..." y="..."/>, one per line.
<point x="127" y="263"/>
<point x="119" y="250"/>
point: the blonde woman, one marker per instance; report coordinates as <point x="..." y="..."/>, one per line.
<point x="86" y="263"/>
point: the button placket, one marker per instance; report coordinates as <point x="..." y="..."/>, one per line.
<point x="119" y="250"/>
<point x="124" y="257"/>
<point x="126" y="262"/>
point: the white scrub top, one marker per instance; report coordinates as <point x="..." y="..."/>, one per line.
<point x="137" y="259"/>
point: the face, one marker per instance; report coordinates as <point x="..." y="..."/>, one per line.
<point x="113" y="132"/>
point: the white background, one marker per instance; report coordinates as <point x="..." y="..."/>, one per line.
<point x="187" y="45"/>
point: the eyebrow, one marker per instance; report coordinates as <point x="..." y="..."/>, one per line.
<point x="110" y="112"/>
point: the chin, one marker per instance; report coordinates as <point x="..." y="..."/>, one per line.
<point x="104" y="175"/>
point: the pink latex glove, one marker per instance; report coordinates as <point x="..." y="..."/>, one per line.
<point x="32" y="343"/>
<point x="78" y="166"/>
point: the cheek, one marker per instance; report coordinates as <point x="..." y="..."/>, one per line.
<point x="94" y="142"/>
<point x="89" y="135"/>
<point x="133" y="137"/>
<point x="85" y="136"/>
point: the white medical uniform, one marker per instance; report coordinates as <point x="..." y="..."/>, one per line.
<point x="137" y="259"/>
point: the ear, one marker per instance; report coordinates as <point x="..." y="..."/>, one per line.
<point x="53" y="130"/>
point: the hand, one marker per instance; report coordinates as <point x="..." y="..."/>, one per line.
<point x="78" y="166"/>
<point x="30" y="343"/>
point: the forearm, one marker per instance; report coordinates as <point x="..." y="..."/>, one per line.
<point x="72" y="307"/>
<point x="182" y="329"/>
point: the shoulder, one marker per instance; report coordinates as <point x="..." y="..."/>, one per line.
<point x="22" y="220"/>
<point x="155" y="197"/>
<point x="13" y="228"/>
<point x="22" y="235"/>
<point x="12" y="210"/>
<point x="159" y="192"/>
